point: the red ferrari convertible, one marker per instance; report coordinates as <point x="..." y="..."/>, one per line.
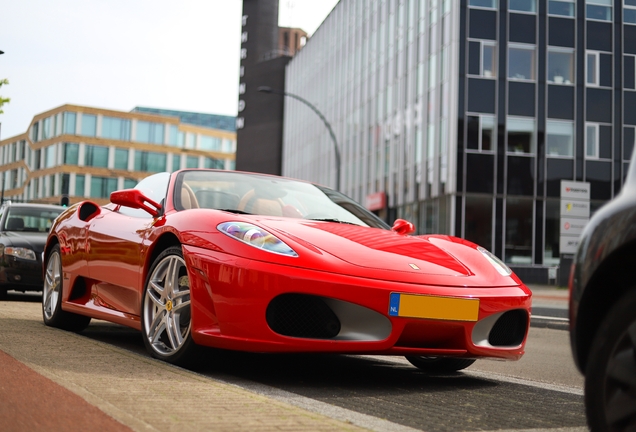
<point x="262" y="263"/>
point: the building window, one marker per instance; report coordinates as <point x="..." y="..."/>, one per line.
<point x="523" y="5"/>
<point x="592" y="141"/>
<point x="481" y="133"/>
<point x="521" y="135"/>
<point x="600" y="10"/>
<point x="210" y="143"/>
<point x="482" y="59"/>
<point x="70" y="119"/>
<point x="561" y="7"/>
<point x="212" y="163"/>
<point x="521" y="62"/>
<point x="101" y="187"/>
<point x="592" y="68"/>
<point x="478" y="220"/>
<point x="66" y="179"/>
<point x="192" y="162"/>
<point x="121" y="159"/>
<point x="519" y="236"/>
<point x="560" y="138"/>
<point x="129" y="183"/>
<point x="71" y="154"/>
<point x="35" y="132"/>
<point x="80" y="180"/>
<point x="46" y="128"/>
<point x="176" y="138"/>
<point x="176" y="162"/>
<point x="629" y="12"/>
<point x="96" y="156"/>
<point x="89" y="125"/>
<point x="149" y="132"/>
<point x="116" y="128"/>
<point x="150" y="161"/>
<point x="491" y="4"/>
<point x="560" y="66"/>
<point x="50" y="156"/>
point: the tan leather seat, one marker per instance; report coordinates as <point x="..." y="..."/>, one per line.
<point x="188" y="199"/>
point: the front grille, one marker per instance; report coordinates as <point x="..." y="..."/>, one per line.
<point x="302" y="316"/>
<point x="510" y="329"/>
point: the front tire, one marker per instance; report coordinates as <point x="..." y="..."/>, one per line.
<point x="52" y="312"/>
<point x="610" y="376"/>
<point x="165" y="311"/>
<point x="439" y="364"/>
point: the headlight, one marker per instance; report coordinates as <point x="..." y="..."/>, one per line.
<point x="498" y="264"/>
<point x="256" y="237"/>
<point x="19" y="252"/>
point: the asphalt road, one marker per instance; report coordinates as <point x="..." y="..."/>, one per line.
<point x="541" y="391"/>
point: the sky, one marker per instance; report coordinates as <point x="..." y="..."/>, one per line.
<point x="119" y="54"/>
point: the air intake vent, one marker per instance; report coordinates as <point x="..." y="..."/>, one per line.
<point x="509" y="329"/>
<point x="302" y="316"/>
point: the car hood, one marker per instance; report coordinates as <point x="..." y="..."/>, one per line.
<point x="31" y="240"/>
<point x="376" y="248"/>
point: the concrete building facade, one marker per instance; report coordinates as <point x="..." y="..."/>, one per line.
<point x="85" y="152"/>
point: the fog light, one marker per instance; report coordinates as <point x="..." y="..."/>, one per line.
<point x="18" y="277"/>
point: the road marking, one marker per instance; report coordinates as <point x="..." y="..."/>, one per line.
<point x="496" y="377"/>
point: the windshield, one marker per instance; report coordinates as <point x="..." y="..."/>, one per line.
<point x="269" y="196"/>
<point x="32" y="219"/>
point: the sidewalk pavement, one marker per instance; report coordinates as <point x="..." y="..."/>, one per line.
<point x="61" y="381"/>
<point x="131" y="392"/>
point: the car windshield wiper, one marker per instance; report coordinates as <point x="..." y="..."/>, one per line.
<point x="333" y="220"/>
<point x="234" y="211"/>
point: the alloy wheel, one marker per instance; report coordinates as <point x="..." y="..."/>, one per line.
<point x="167" y="306"/>
<point x="52" y="285"/>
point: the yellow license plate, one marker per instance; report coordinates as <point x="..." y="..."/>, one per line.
<point x="432" y="307"/>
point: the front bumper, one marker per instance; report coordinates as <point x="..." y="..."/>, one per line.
<point x="20" y="274"/>
<point x="232" y="297"/>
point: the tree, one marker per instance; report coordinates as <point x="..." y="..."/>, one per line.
<point x="3" y="100"/>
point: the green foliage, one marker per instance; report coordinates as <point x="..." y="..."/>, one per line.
<point x="3" y="100"/>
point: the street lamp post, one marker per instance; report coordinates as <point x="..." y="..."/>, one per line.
<point x="266" y="89"/>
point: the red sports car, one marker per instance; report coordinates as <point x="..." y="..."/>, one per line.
<point x="262" y="263"/>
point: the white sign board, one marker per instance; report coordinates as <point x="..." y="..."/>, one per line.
<point x="568" y="245"/>
<point x="577" y="209"/>
<point x="575" y="190"/>
<point x="572" y="226"/>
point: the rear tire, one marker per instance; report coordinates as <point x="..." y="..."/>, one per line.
<point x="166" y="320"/>
<point x="52" y="312"/>
<point x="610" y="376"/>
<point x="439" y="364"/>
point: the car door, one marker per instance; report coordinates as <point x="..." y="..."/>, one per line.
<point x="116" y="254"/>
<point x="115" y="259"/>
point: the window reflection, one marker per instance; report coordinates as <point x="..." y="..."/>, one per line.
<point x="561" y="7"/>
<point x="483" y="3"/>
<point x="560" y="138"/>
<point x="519" y="214"/>
<point x="560" y="66"/>
<point x="523" y="5"/>
<point x="521" y="63"/>
<point x="521" y="135"/>
<point x="599" y="10"/>
<point x="478" y="220"/>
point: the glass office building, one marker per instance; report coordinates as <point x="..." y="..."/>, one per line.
<point x="463" y="116"/>
<point x="86" y="152"/>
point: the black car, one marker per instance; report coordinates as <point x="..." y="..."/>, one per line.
<point x="23" y="232"/>
<point x="603" y="311"/>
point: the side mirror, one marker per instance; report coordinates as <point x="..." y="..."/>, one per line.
<point x="133" y="198"/>
<point x="403" y="227"/>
